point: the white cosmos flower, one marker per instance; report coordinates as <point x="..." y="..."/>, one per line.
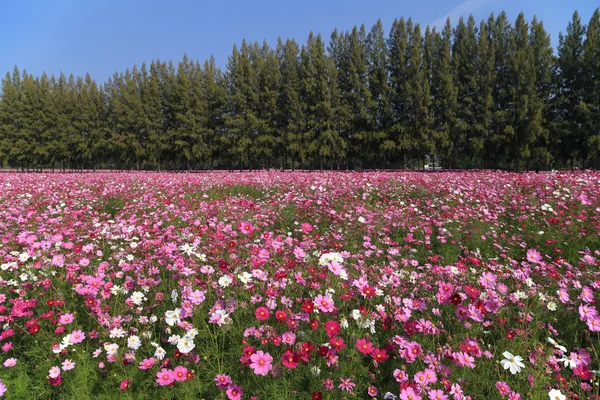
<point x="556" y="394"/>
<point x="245" y="277"/>
<point x="172" y="317"/>
<point x="160" y="353"/>
<point x="185" y="344"/>
<point x="137" y="298"/>
<point x="570" y="361"/>
<point x="512" y="362"/>
<point x="111" y="348"/>
<point x="134" y="342"/>
<point x="225" y="281"/>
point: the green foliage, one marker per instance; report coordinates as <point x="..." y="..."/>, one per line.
<point x="489" y="95"/>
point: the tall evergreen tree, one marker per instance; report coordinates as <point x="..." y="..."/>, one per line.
<point x="240" y="118"/>
<point x="399" y="141"/>
<point x="543" y="60"/>
<point x="590" y="105"/>
<point x="379" y="88"/>
<point x="525" y="112"/>
<point x="153" y="121"/>
<point x="268" y="141"/>
<point x="291" y="109"/>
<point x="320" y="93"/>
<point x="215" y="96"/>
<point x="571" y="83"/>
<point x="464" y="53"/>
<point x="444" y="96"/>
<point x="497" y="145"/>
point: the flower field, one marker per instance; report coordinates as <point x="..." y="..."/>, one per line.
<point x="411" y="286"/>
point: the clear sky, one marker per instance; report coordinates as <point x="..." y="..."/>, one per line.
<point x="104" y="36"/>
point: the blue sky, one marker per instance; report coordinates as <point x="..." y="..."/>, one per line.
<point x="104" y="36"/>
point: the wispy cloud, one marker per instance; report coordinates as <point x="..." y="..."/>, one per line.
<point x="465" y="8"/>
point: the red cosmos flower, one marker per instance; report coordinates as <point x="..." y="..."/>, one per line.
<point x="34" y="329"/>
<point x="314" y="324"/>
<point x="308" y="306"/>
<point x="316" y="396"/>
<point x="337" y="343"/>
<point x="455" y="299"/>
<point x="368" y="291"/>
<point x="323" y="351"/>
<point x="305" y="349"/>
<point x="364" y="346"/>
<point x="262" y="313"/>
<point x="280" y="315"/>
<point x="472" y="292"/>
<point x="379" y="355"/>
<point x="289" y="359"/>
<point x="332" y="328"/>
<point x="55" y="381"/>
<point x="32" y="322"/>
<point x="583" y="372"/>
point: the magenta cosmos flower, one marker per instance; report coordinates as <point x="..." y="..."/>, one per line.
<point x="165" y="377"/>
<point x="534" y="256"/>
<point x="261" y="363"/>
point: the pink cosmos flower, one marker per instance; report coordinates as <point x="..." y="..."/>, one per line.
<point x="223" y="381"/>
<point x="262" y="313"/>
<point x="2" y="388"/>
<point x="534" y="256"/>
<point x="147" y="363"/>
<point x="409" y="394"/>
<point x="437" y="395"/>
<point x="324" y="303"/>
<point x="11" y="362"/>
<point x="77" y="336"/>
<point x="261" y="363"/>
<point x="180" y="373"/>
<point x="593" y="323"/>
<point x="54" y="372"/>
<point x="66" y="319"/>
<point x="503" y="388"/>
<point x="68" y="365"/>
<point x="372" y="391"/>
<point x="165" y="377"/>
<point x="234" y="392"/>
<point x="347" y="385"/>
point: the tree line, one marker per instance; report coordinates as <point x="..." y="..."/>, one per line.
<point x="487" y="95"/>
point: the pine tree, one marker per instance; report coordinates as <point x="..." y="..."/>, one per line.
<point x="464" y="53"/>
<point x="444" y="96"/>
<point x="525" y="113"/>
<point x="590" y="105"/>
<point x="399" y="141"/>
<point x="485" y="80"/>
<point x="571" y="134"/>
<point x="153" y="120"/>
<point x="498" y="142"/>
<point x="240" y="117"/>
<point x="11" y="118"/>
<point x="291" y="109"/>
<point x="378" y="85"/>
<point x="320" y="93"/>
<point x="268" y="140"/>
<point x="215" y="96"/>
<point x="543" y="60"/>
<point x="358" y="98"/>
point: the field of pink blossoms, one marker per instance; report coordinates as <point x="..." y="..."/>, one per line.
<point x="411" y="286"/>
